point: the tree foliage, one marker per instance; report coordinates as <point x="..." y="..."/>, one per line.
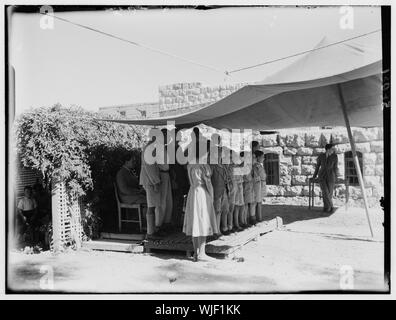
<point x="74" y="146"/>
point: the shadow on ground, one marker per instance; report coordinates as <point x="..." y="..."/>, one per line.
<point x="290" y="213"/>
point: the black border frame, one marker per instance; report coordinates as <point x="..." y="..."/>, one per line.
<point x="386" y="64"/>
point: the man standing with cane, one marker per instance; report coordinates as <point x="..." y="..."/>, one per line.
<point x="327" y="172"/>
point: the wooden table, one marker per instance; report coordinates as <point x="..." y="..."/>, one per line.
<point x="311" y="186"/>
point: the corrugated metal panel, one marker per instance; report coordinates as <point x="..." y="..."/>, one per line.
<point x="25" y="177"/>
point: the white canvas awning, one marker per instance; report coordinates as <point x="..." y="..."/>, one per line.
<point x="302" y="94"/>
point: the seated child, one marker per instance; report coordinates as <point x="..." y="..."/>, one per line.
<point x="27" y="214"/>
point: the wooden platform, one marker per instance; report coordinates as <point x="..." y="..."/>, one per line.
<point x="225" y="246"/>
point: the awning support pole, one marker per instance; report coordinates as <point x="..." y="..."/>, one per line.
<point x="355" y="158"/>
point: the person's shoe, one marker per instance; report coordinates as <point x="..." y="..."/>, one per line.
<point x="161" y="232"/>
<point x="331" y="210"/>
<point x="325" y="209"/>
<point x="226" y="233"/>
<point x="153" y="236"/>
<point x="219" y="234"/>
<point x="214" y="237"/>
<point x="168" y="228"/>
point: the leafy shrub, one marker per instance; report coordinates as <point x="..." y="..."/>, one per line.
<point x="74" y="146"/>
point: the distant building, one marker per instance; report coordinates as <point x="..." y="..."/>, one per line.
<point x="135" y="110"/>
<point x="175" y="99"/>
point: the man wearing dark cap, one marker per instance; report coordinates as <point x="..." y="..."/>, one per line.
<point x="327" y="172"/>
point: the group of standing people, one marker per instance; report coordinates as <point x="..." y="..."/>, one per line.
<point x="222" y="197"/>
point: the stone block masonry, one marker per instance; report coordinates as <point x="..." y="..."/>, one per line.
<point x="184" y="97"/>
<point x="298" y="151"/>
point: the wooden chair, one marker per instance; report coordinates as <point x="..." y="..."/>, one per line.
<point x="127" y="206"/>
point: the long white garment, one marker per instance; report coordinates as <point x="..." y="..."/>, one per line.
<point x="200" y="216"/>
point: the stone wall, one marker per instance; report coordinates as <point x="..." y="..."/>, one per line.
<point x="184" y="97"/>
<point x="298" y="152"/>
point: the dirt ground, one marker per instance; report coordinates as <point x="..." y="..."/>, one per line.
<point x="313" y="252"/>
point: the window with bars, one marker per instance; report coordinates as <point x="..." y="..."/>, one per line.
<point x="271" y="166"/>
<point x="350" y="169"/>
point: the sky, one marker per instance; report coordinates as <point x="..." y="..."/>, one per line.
<point x="75" y="66"/>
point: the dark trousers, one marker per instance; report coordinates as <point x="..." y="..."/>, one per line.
<point x="28" y="227"/>
<point x="178" y="198"/>
<point x="327" y="187"/>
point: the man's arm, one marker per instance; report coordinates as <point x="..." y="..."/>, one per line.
<point x="20" y="210"/>
<point x="153" y="175"/>
<point x="336" y="170"/>
<point x="35" y="208"/>
<point x="318" y="164"/>
<point x="208" y="182"/>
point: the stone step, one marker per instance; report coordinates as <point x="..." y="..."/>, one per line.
<point x="122" y="236"/>
<point x="114" y="245"/>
